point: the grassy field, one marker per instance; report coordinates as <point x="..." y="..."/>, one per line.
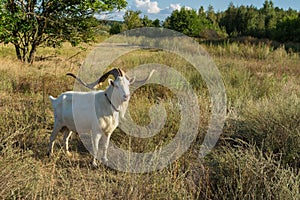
<point x="257" y="156"/>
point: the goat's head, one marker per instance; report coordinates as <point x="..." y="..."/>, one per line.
<point x="120" y="84"/>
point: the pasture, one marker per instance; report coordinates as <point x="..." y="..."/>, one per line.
<point x="257" y="156"/>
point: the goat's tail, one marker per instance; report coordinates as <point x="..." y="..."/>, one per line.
<point x="52" y="100"/>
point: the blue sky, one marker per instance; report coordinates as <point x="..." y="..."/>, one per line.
<point x="162" y="8"/>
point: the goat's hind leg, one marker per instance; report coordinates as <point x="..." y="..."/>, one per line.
<point x="67" y="135"/>
<point x="54" y="133"/>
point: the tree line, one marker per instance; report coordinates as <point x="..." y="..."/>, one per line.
<point x="268" y="21"/>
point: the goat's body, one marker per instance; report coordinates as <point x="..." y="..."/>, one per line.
<point x="82" y="106"/>
<point x="84" y="112"/>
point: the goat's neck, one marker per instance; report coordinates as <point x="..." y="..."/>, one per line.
<point x="117" y="104"/>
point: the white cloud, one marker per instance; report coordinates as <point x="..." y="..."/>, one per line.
<point x="169" y="9"/>
<point x="176" y="6"/>
<point x="188" y="8"/>
<point x="147" y="6"/>
<point x="117" y="15"/>
<point x="152" y="9"/>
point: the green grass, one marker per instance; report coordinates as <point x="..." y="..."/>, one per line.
<point x="257" y="156"/>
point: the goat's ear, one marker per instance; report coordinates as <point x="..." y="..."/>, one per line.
<point x="111" y="82"/>
<point x="131" y="81"/>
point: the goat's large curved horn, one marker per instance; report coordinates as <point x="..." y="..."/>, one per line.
<point x="115" y="72"/>
<point x="121" y="72"/>
<point x="90" y="85"/>
<point x="141" y="82"/>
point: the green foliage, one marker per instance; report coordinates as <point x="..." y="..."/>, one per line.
<point x="133" y="20"/>
<point x="189" y="22"/>
<point x="115" y="28"/>
<point x="288" y="29"/>
<point x="29" y="24"/>
<point x="156" y="23"/>
<point x="267" y="22"/>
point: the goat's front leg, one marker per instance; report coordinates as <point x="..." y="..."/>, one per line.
<point x="104" y="158"/>
<point x="67" y="135"/>
<point x="95" y="142"/>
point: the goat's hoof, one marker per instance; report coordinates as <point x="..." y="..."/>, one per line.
<point x="94" y="164"/>
<point x="69" y="154"/>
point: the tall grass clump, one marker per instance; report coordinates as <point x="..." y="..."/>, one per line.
<point x="245" y="172"/>
<point x="273" y="124"/>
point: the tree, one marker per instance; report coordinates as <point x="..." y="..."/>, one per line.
<point x="150" y="23"/>
<point x="132" y="19"/>
<point x="201" y="12"/>
<point x="146" y="21"/>
<point x="116" y="28"/>
<point x="156" y="23"/>
<point x="229" y="20"/>
<point x="270" y="18"/>
<point x="194" y="23"/>
<point x="288" y="29"/>
<point x="186" y="21"/>
<point x="28" y="24"/>
<point x="243" y="20"/>
<point x="211" y="15"/>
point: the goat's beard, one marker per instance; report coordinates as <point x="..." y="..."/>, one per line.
<point x="123" y="108"/>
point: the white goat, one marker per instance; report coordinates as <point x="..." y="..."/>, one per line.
<point x="95" y="111"/>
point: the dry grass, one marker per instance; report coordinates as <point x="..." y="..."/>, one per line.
<point x="256" y="158"/>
